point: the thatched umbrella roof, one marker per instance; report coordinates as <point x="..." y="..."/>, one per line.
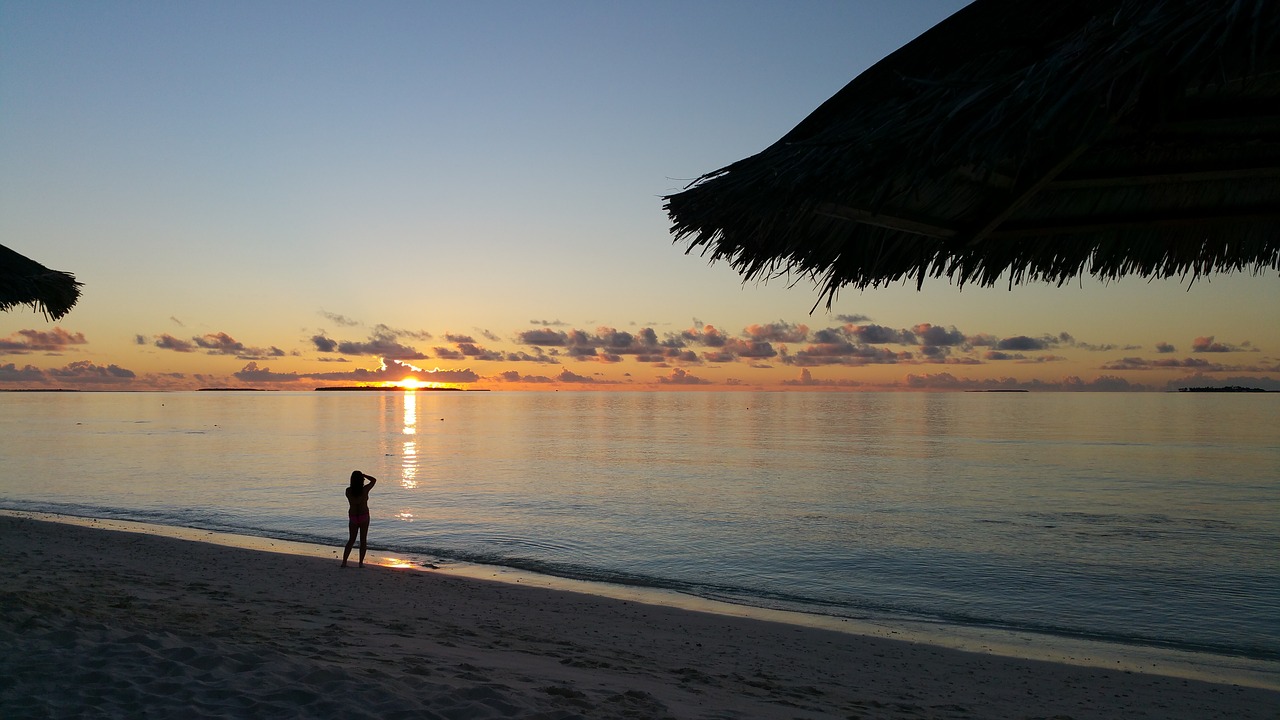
<point x="24" y="281"/>
<point x="1041" y="140"/>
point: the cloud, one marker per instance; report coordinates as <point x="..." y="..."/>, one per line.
<point x="857" y="342"/>
<point x="383" y="342"/>
<point x="85" y="372"/>
<point x="570" y="377"/>
<point x="1043" y="359"/>
<point x="337" y="319"/>
<point x="871" y="334"/>
<point x="1207" y="345"/>
<point x="605" y="344"/>
<point x="748" y="349"/>
<point x="620" y="342"/>
<point x="169" y="342"/>
<point x="1137" y="363"/>
<point x="448" y="376"/>
<point x="841" y="352"/>
<point x="1110" y="383"/>
<point x="324" y="344"/>
<point x="252" y="373"/>
<point x="543" y="337"/>
<point x="777" y="332"/>
<point x="680" y="377"/>
<point x="705" y="335"/>
<point x="832" y="336"/>
<point x="393" y="370"/>
<point x="807" y="379"/>
<point x="947" y="381"/>
<point x="515" y="376"/>
<point x="28" y="341"/>
<point x="397" y="370"/>
<point x="1264" y="383"/>
<point x="477" y="352"/>
<point x="1021" y="342"/>
<point x="221" y="343"/>
<point x="1108" y="347"/>
<point x="467" y="347"/>
<point x="538" y="356"/>
<point x="381" y="330"/>
<point x="938" y="336"/>
<point x="175" y="321"/>
<point x="11" y="373"/>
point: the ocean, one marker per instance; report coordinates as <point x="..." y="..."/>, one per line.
<point x="1139" y="520"/>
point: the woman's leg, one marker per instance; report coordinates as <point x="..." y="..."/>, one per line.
<point x="350" y="542"/>
<point x="364" y="536"/>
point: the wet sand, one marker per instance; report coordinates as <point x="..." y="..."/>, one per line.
<point x="102" y="623"/>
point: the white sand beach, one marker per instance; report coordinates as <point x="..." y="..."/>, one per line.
<point x="102" y="623"/>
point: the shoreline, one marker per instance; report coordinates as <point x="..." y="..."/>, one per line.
<point x="113" y="623"/>
<point x="998" y="643"/>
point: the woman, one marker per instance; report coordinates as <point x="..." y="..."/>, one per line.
<point x="358" y="512"/>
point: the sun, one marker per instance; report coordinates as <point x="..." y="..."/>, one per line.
<point x="410" y="383"/>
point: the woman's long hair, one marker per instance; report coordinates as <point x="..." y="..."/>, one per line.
<point x="357" y="479"/>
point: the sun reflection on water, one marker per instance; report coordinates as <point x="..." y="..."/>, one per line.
<point x="409" y="450"/>
<point x="410" y="412"/>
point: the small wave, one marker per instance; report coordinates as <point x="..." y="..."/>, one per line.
<point x="722" y="592"/>
<point x="774" y="600"/>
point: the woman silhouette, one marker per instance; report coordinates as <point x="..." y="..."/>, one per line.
<point x="358" y="512"/>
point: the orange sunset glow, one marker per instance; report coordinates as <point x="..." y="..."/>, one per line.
<point x="324" y="219"/>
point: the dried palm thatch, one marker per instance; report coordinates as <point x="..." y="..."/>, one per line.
<point x="24" y="281"/>
<point x="1041" y="141"/>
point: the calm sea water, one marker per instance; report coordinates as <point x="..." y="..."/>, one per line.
<point x="1149" y="519"/>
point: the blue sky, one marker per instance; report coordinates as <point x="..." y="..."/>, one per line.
<point x="242" y="182"/>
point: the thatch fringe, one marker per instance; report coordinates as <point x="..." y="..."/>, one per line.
<point x="1038" y="141"/>
<point x="24" y="281"/>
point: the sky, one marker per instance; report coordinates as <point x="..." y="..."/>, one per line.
<point x="289" y="195"/>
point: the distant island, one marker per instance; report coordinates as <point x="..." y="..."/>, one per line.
<point x="215" y="389"/>
<point x="393" y="388"/>
<point x="1001" y="390"/>
<point x="1227" y="389"/>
